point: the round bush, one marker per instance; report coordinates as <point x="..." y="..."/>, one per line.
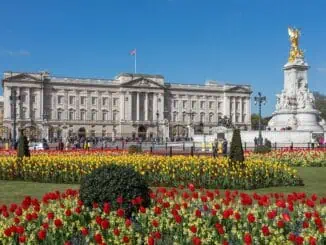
<point x="107" y="183"/>
<point x="134" y="149"/>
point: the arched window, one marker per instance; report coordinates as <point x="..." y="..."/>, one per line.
<point x="115" y="115"/>
<point x="210" y="119"/>
<point x="94" y="115"/>
<point x="202" y="117"/>
<point x="60" y="114"/>
<point x="82" y="115"/>
<point x="71" y="114"/>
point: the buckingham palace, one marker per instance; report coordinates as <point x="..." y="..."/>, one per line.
<point x="130" y="105"/>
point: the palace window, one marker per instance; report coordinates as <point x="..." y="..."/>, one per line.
<point x="60" y="99"/>
<point x="202" y="117"/>
<point x="33" y="99"/>
<point x="184" y="104"/>
<point x="83" y="100"/>
<point x="71" y="100"/>
<point x="210" y="119"/>
<point x="193" y="104"/>
<point x="175" y="103"/>
<point x="59" y="114"/>
<point x="104" y="115"/>
<point x="211" y="103"/>
<point x="115" y="101"/>
<point x="94" y="100"/>
<point x="183" y="116"/>
<point x="82" y="115"/>
<point x="219" y="105"/>
<point x="202" y="104"/>
<point x="71" y="115"/>
<point x="94" y="115"/>
<point x="104" y="101"/>
<point x="115" y="115"/>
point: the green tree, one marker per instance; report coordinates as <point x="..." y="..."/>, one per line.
<point x="255" y="121"/>
<point x="236" y="151"/>
<point x="320" y="102"/>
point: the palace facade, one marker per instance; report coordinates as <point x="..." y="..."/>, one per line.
<point x="130" y="105"/>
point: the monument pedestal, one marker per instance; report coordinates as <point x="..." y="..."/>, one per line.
<point x="295" y="108"/>
<point x="308" y="121"/>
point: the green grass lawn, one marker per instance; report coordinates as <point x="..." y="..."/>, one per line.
<point x="15" y="191"/>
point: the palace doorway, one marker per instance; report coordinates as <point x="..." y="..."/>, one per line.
<point x="142" y="132"/>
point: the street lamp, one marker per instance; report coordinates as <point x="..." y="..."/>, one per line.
<point x="13" y="101"/>
<point x="260" y="100"/>
<point x="157" y="125"/>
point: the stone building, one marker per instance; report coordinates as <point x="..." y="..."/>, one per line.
<point x="3" y="131"/>
<point x="130" y="105"/>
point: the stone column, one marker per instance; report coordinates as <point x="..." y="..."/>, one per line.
<point x="110" y="107"/>
<point x="77" y="105"/>
<point x="65" y="105"/>
<point x="130" y="105"/>
<point x="146" y="106"/>
<point x="122" y="106"/>
<point x="39" y="104"/>
<point x="54" y="103"/>
<point x="42" y="102"/>
<point x="99" y="105"/>
<point x="248" y="111"/>
<point x="234" y="109"/>
<point x="28" y="103"/>
<point x="7" y="107"/>
<point x="226" y="102"/>
<point x="137" y="107"/>
<point x="154" y="106"/>
<point x="241" y="112"/>
<point x="88" y="115"/>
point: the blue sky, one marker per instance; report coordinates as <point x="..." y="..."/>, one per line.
<point x="187" y="41"/>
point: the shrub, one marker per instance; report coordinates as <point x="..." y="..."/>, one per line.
<point x="107" y="183"/>
<point x="266" y="148"/>
<point x="236" y="151"/>
<point x="134" y="149"/>
<point x="23" y="150"/>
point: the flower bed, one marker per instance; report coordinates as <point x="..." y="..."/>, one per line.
<point x="295" y="158"/>
<point x="207" y="172"/>
<point x="176" y="216"/>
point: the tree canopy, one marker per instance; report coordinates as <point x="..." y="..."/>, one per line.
<point x="320" y="102"/>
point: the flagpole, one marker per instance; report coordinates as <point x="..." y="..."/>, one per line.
<point x="135" y="62"/>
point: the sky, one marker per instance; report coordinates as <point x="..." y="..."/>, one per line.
<point x="186" y="41"/>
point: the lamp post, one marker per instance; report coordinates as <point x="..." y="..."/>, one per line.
<point x="157" y="124"/>
<point x="260" y="100"/>
<point x="13" y="100"/>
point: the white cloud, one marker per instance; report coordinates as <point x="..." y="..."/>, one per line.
<point x="21" y="52"/>
<point x="321" y="69"/>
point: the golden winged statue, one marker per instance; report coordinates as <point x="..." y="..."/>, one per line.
<point x="295" y="51"/>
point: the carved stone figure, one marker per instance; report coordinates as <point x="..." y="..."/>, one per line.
<point x="292" y="122"/>
<point x="301" y="100"/>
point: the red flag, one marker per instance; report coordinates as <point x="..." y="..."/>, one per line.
<point x="133" y="52"/>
